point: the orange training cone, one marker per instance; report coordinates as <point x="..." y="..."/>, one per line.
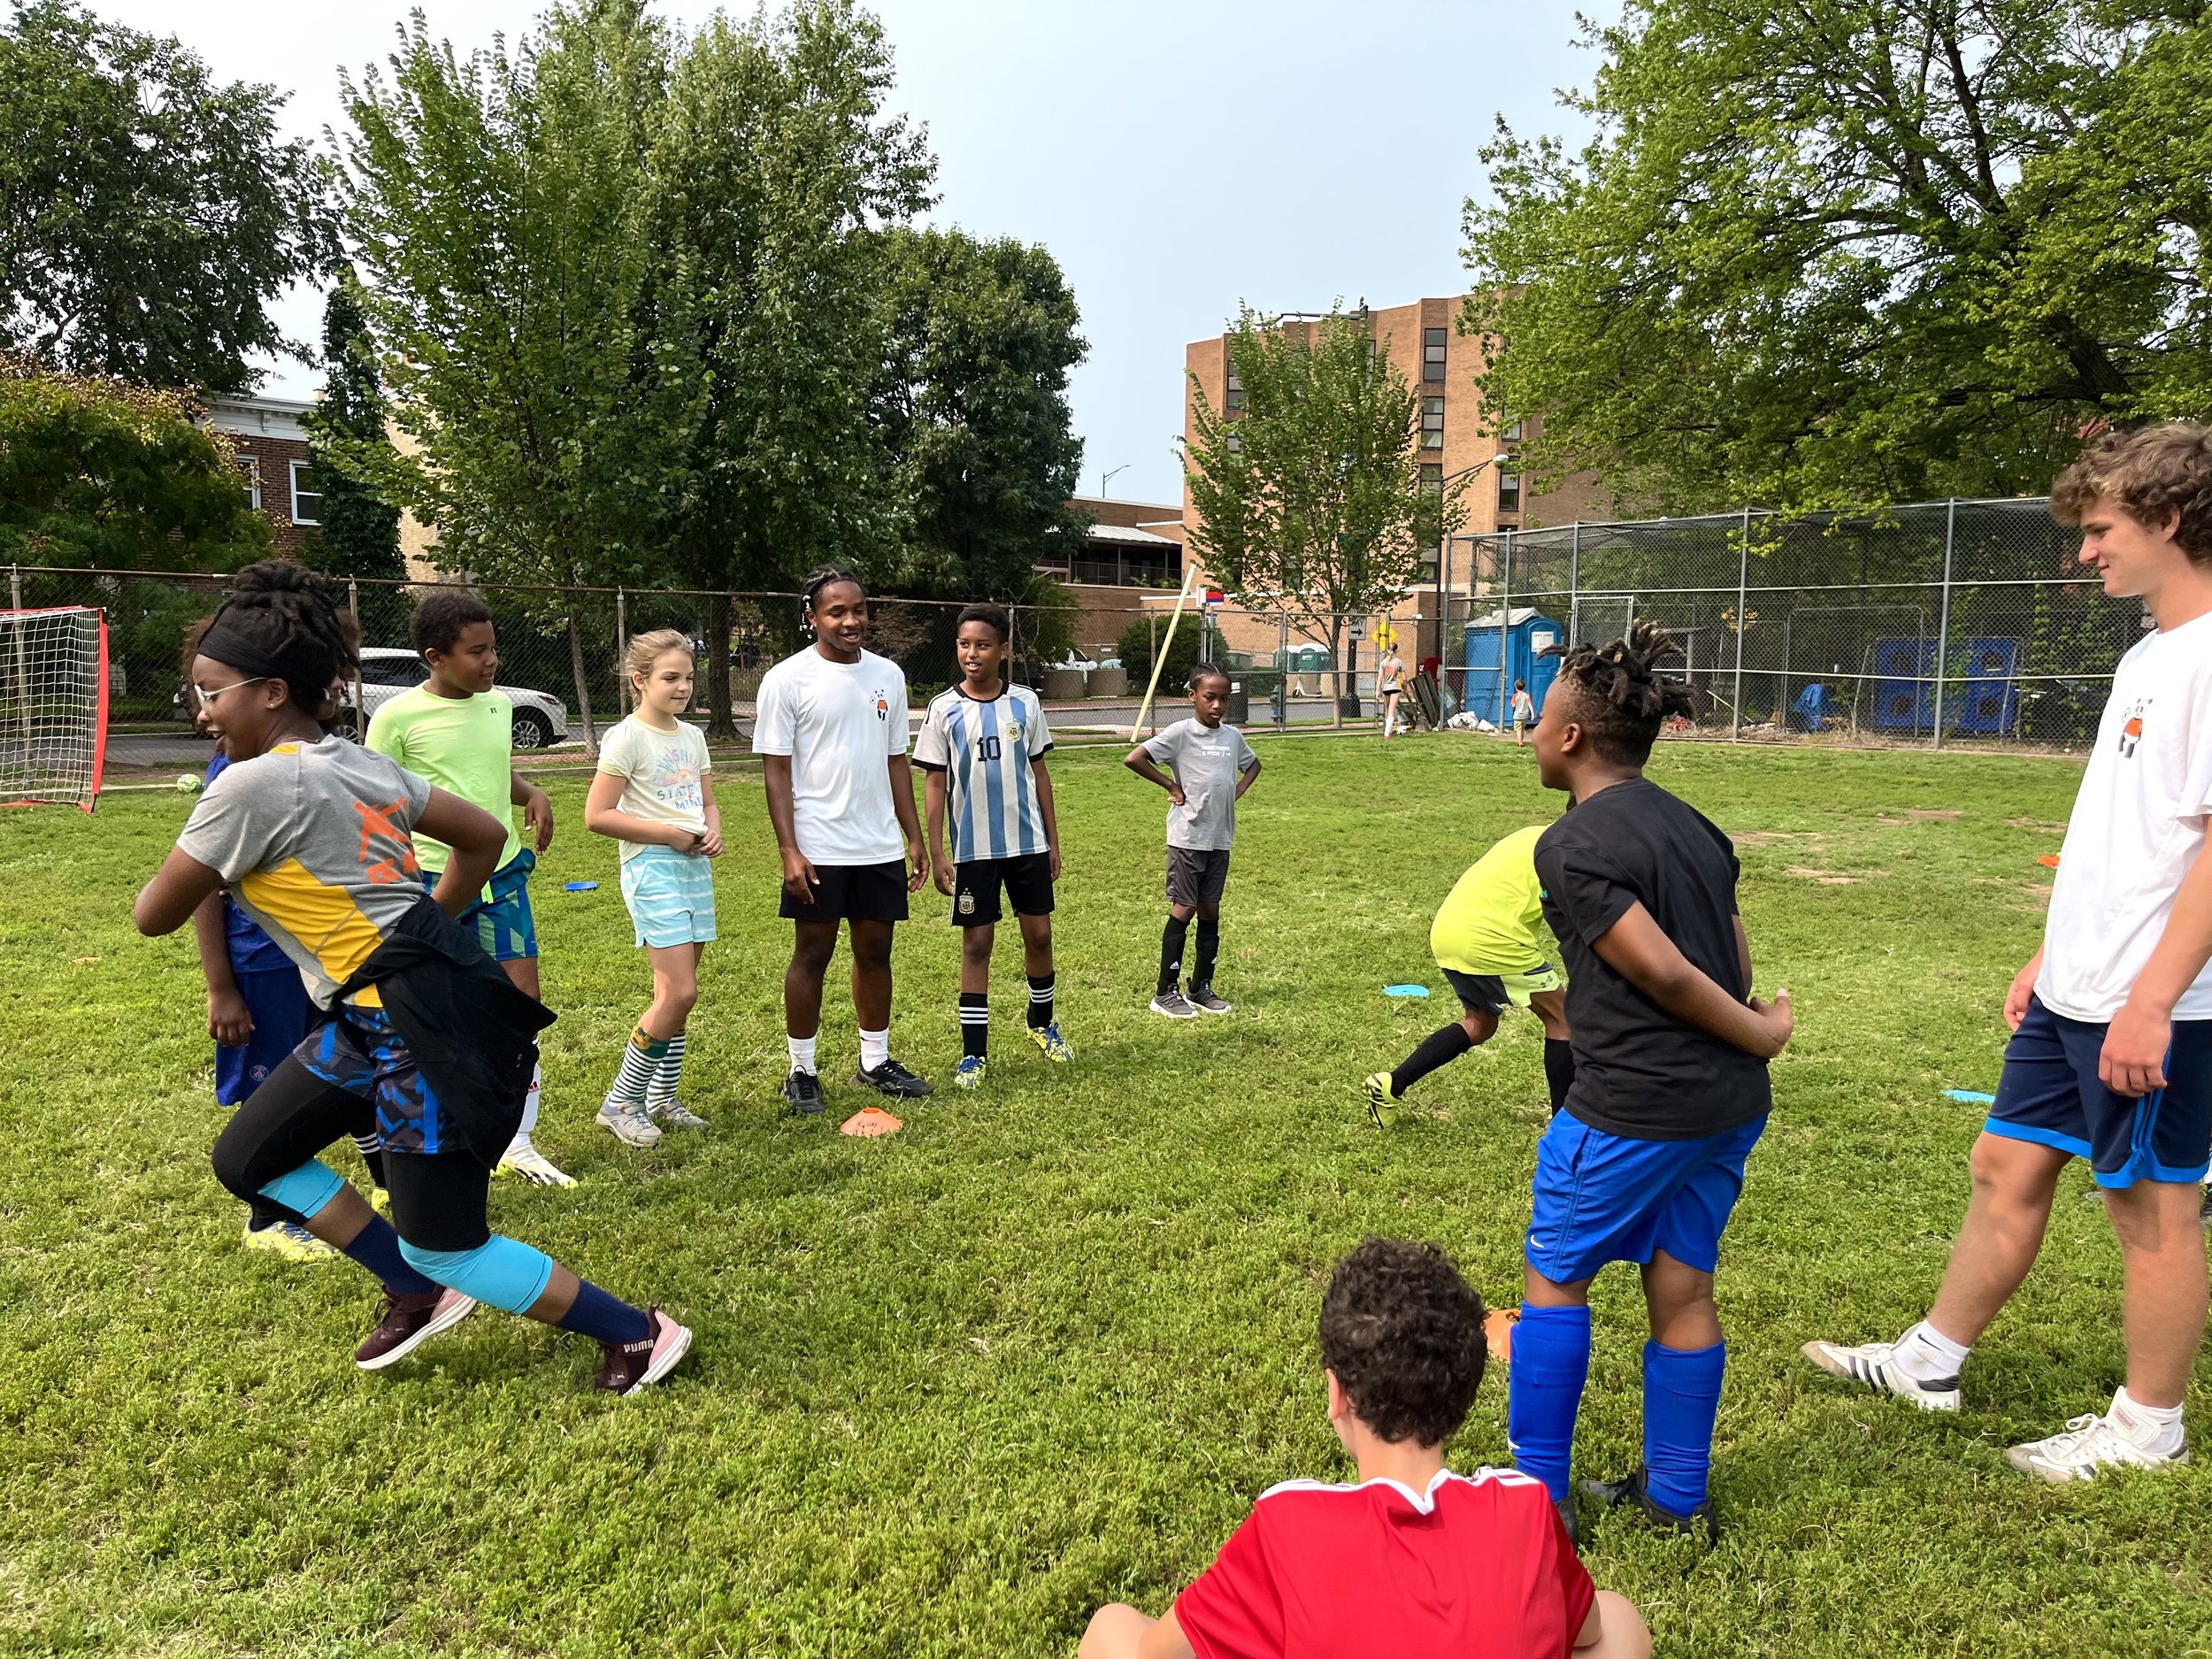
<point x="871" y="1120"/>
<point x="1498" y="1328"/>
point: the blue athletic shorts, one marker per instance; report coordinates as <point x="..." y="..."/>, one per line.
<point x="2050" y="1093"/>
<point x="503" y="923"/>
<point x="670" y="896"/>
<point x="360" y="1050"/>
<point x="277" y="998"/>
<point x="1603" y="1198"/>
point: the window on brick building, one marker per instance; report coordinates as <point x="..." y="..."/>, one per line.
<point x="307" y="496"/>
<point x="1513" y="431"/>
<point x="1432" y="353"/>
<point x="1233" y="399"/>
<point x="1431" y="423"/>
<point x="250" y="466"/>
<point x="1433" y="480"/>
<point x="1509" y="491"/>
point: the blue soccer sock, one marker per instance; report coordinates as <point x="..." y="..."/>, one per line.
<point x="1681" y="1399"/>
<point x="605" y="1318"/>
<point x="1551" y="1363"/>
<point x="376" y="1246"/>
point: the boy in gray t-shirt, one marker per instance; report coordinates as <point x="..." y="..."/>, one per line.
<point x="1212" y="768"/>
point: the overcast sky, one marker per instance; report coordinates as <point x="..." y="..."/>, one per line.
<point x="1176" y="156"/>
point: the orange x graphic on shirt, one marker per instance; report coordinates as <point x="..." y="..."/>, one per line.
<point x="381" y="821"/>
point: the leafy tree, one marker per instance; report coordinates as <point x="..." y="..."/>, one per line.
<point x="148" y="214"/>
<point x="1312" y="497"/>
<point x="1140" y="638"/>
<point x="974" y="415"/>
<point x="774" y="171"/>
<point x="1839" y="250"/>
<point x="106" y="473"/>
<point x="493" y="205"/>
<point x="359" y="534"/>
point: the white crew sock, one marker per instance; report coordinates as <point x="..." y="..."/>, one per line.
<point x="1925" y="1354"/>
<point x="802" y="1053"/>
<point x="2157" y="1429"/>
<point x="530" y="1103"/>
<point x="875" y="1048"/>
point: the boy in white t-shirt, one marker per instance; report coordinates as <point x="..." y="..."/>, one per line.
<point x="832" y="734"/>
<point x="2111" y="1054"/>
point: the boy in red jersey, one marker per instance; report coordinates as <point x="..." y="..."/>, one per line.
<point x="1414" y="1559"/>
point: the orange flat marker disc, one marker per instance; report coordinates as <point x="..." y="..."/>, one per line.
<point x="2049" y="860"/>
<point x="871" y="1120"/>
<point x="1498" y="1330"/>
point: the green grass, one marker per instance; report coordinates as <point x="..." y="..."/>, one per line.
<point x="954" y="1387"/>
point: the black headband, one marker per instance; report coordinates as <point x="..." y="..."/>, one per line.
<point x="232" y="646"/>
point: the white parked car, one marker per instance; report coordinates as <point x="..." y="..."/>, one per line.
<point x="541" y="718"/>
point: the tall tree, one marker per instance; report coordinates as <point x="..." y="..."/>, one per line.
<point x="974" y="414"/>
<point x="1827" y="251"/>
<point x="1310" y="497"/>
<point x="776" y="168"/>
<point x="360" y="529"/>
<point x="148" y="214"/>
<point x="493" y="205"/>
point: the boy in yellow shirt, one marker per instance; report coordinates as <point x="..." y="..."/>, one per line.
<point x="1490" y="941"/>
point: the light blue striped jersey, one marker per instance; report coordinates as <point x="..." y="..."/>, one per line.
<point x="986" y="749"/>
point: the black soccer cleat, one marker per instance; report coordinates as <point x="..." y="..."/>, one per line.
<point x="1703" y="1522"/>
<point x="1568" y="1520"/>
<point x="893" y="1079"/>
<point x="802" y="1093"/>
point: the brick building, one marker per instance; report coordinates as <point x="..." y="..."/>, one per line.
<point x="273" y="448"/>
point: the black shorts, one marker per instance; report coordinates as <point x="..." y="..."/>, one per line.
<point x="1479" y="993"/>
<point x="1196" y="875"/>
<point x="852" y="893"/>
<point x="975" y="889"/>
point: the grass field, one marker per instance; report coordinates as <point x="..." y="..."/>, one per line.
<point x="954" y="1387"/>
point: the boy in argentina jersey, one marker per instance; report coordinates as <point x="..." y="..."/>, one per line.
<point x="982" y="749"/>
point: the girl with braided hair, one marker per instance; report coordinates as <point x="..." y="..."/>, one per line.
<point x="421" y="1037"/>
<point x="1644" y="1159"/>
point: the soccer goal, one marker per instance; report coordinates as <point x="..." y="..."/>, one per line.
<point x="53" y="705"/>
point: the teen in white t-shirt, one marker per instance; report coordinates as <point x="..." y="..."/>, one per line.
<point x="2111" y="1053"/>
<point x="831" y="730"/>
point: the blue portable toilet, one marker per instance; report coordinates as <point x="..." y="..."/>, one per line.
<point x="1522" y="636"/>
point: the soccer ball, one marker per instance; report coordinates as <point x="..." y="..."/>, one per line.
<point x="190" y="783"/>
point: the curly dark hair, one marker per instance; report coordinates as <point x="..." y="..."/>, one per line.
<point x="1617" y="695"/>
<point x="288" y="622"/>
<point x="2151" y="473"/>
<point x="439" y="620"/>
<point x="821" y="577"/>
<point x="1403" y="1333"/>
<point x="991" y="616"/>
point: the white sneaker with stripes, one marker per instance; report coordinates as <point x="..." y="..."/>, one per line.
<point x="2085" y="1446"/>
<point x="1875" y="1364"/>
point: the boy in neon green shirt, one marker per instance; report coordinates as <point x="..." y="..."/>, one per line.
<point x="457" y="732"/>
<point x="1490" y="940"/>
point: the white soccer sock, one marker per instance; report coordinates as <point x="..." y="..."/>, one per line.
<point x="802" y="1053"/>
<point x="530" y="1103"/>
<point x="875" y="1048"/>
<point x="1925" y="1354"/>
<point x="2156" y="1429"/>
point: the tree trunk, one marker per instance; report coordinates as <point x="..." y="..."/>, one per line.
<point x="721" y="723"/>
<point x="583" y="680"/>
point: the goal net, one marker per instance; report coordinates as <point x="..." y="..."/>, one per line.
<point x="53" y="705"/>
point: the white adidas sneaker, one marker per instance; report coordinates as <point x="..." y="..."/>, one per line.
<point x="1875" y="1364"/>
<point x="2088" y="1445"/>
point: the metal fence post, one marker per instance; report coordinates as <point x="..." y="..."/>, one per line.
<point x="621" y="649"/>
<point x="1943" y="611"/>
<point x="1743" y="595"/>
<point x="360" y="709"/>
<point x="1505" y="632"/>
<point x="22" y="662"/>
<point x="1574" y="582"/>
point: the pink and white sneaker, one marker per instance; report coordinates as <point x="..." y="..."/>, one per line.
<point x="630" y="1366"/>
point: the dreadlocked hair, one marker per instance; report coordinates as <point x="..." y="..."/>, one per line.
<point x="1620" y="699"/>
<point x="285" y="622"/>
<point x="821" y="577"/>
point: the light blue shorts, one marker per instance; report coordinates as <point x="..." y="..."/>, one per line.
<point x="670" y="896"/>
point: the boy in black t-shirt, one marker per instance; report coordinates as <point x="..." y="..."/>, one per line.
<point x="1645" y="1161"/>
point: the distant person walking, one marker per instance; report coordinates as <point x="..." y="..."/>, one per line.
<point x="1390" y="683"/>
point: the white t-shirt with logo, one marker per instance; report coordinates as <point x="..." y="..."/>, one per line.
<point x="840" y="723"/>
<point x="2139" y="823"/>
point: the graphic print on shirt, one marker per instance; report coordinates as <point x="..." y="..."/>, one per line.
<point x="2132" y="728"/>
<point x="674" y="781"/>
<point x="387" y="852"/>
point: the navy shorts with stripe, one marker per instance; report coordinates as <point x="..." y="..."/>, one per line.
<point x="2050" y="1094"/>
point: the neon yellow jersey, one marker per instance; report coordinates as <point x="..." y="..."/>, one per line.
<point x="1493" y="920"/>
<point x="462" y="745"/>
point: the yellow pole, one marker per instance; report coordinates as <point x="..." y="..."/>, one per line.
<point x="1159" y="657"/>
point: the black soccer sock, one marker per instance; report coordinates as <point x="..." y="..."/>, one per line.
<point x="1171" y="938"/>
<point x="975" y="1022"/>
<point x="1202" y="973"/>
<point x="1041" y="1000"/>
<point x="1559" y="1070"/>
<point x="1439" y="1047"/>
<point x="371" y="1146"/>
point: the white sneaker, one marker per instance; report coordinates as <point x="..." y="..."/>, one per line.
<point x="523" y="1158"/>
<point x="672" y="1114"/>
<point x="2088" y="1444"/>
<point x="1875" y="1364"/>
<point x="1171" y="1004"/>
<point x="630" y="1127"/>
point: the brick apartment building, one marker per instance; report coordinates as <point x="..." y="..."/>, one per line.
<point x="273" y="448"/>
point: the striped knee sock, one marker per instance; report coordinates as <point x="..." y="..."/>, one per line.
<point x="975" y="1024"/>
<point x="640" y="1060"/>
<point x="371" y="1146"/>
<point x="662" y="1091"/>
<point x="1041" y="1000"/>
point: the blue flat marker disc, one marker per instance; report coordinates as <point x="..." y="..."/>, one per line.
<point x="1973" y="1097"/>
<point x="579" y="886"/>
<point x="1405" y="990"/>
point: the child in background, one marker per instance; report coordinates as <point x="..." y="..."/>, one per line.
<point x="456" y="731"/>
<point x="1490" y="941"/>
<point x="1390" y="682"/>
<point x="982" y="749"/>
<point x="1213" y="767"/>
<point x="1645" y="1160"/>
<point x="1523" y="713"/>
<point x="654" y="792"/>
<point x="1413" y="1560"/>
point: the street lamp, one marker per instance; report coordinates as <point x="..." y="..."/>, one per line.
<point x="1106" y="477"/>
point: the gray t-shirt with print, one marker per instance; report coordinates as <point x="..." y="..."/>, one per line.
<point x="1207" y="762"/>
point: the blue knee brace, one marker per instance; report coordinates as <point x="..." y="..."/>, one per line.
<point x="304" y="1190"/>
<point x="503" y="1273"/>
